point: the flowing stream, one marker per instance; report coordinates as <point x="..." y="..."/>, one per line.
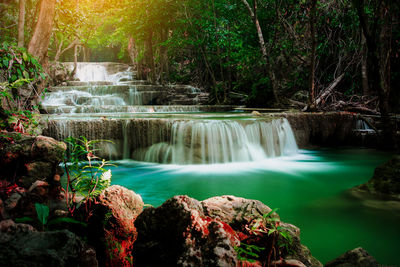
<point x="167" y="142"/>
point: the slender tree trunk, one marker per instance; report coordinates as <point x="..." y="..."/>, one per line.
<point x="221" y="69"/>
<point x="163" y="56"/>
<point x="253" y="15"/>
<point x="41" y="35"/>
<point x="132" y="52"/>
<point x="21" y="23"/>
<point x="34" y="19"/>
<point x="378" y="40"/>
<point x="86" y="54"/>
<point x="150" y="57"/>
<point x="76" y="52"/>
<point x="384" y="52"/>
<point x="228" y="62"/>
<point x="311" y="100"/>
<point x="364" y="67"/>
<point x="61" y="52"/>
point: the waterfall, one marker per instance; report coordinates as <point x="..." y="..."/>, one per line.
<point x="135" y="97"/>
<point x="362" y="126"/>
<point x="91" y="73"/>
<point x="104" y="103"/>
<point x="112" y="88"/>
<point x="220" y="141"/>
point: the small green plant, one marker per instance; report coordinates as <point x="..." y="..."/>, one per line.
<point x="247" y="252"/>
<point x="86" y="173"/>
<point x="273" y="237"/>
<point x="43" y="221"/>
<point x="42" y="212"/>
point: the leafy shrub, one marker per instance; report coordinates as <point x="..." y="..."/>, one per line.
<point x="18" y="64"/>
<point x="86" y="175"/>
<point x="18" y="69"/>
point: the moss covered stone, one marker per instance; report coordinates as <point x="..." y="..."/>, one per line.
<point x="386" y="179"/>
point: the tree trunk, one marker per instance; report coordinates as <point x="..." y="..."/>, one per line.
<point x="253" y="15"/>
<point x="75" y="60"/>
<point x="384" y="52"/>
<point x="132" y="51"/>
<point x="163" y="56"/>
<point x="311" y="100"/>
<point x="378" y="40"/>
<point x="61" y="52"/>
<point x="364" y="67"/>
<point x="21" y="23"/>
<point x="86" y="54"/>
<point x="41" y="35"/>
<point x="150" y="57"/>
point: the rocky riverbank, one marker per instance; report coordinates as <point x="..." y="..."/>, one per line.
<point x="115" y="230"/>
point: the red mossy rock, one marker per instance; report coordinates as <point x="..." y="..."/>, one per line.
<point x="187" y="232"/>
<point x="178" y="233"/>
<point x="111" y="225"/>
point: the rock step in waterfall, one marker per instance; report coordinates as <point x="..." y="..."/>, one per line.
<point x="143" y="121"/>
<point x="111" y="87"/>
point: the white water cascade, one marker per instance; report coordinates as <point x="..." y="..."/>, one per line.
<point x="362" y="126"/>
<point x="105" y="102"/>
<point x="112" y="88"/>
<point x="91" y="73"/>
<point x="222" y="141"/>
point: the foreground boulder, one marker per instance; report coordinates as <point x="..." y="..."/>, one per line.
<point x="357" y="257"/>
<point x="21" y="245"/>
<point x="386" y="180"/>
<point x="25" y="159"/>
<point x="30" y="173"/>
<point x="111" y="227"/>
<point x="178" y="233"/>
<point x="187" y="232"/>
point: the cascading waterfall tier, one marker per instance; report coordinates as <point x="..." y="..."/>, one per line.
<point x="105" y="102"/>
<point x="111" y="88"/>
<point x="219" y="141"/>
<point x="182" y="141"/>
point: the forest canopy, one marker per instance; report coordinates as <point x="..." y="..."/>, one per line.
<point x="267" y="51"/>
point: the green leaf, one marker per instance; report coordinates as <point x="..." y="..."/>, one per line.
<point x="42" y="213"/>
<point x="23" y="220"/>
<point x="19" y="73"/>
<point x="25" y="56"/>
<point x="271" y="231"/>
<point x="26" y="74"/>
<point x="270" y="213"/>
<point x="65" y="220"/>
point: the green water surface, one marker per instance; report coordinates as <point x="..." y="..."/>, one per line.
<point x="309" y="189"/>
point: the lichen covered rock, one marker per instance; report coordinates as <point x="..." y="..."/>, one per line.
<point x="187" y="232"/>
<point x="111" y="227"/>
<point x="179" y="234"/>
<point x="386" y="180"/>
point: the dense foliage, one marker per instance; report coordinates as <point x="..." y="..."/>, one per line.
<point x="216" y="43"/>
<point x="20" y="74"/>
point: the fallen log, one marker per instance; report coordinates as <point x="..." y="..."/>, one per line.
<point x="362" y="110"/>
<point x="326" y="92"/>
